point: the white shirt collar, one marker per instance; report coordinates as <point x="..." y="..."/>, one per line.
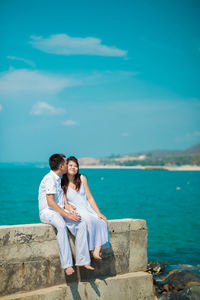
<point x="55" y="175"/>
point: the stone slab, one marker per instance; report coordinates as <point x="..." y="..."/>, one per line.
<point x="29" y="256"/>
<point x="131" y="286"/>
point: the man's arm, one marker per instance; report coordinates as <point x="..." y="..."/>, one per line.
<point x="51" y="202"/>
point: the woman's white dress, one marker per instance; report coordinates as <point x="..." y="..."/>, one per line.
<point x="97" y="228"/>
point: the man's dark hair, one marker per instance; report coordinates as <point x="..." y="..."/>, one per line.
<point x="55" y="160"/>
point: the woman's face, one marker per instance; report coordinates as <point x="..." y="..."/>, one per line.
<point x="72" y="168"/>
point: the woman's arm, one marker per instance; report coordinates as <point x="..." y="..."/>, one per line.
<point x="65" y="200"/>
<point x="68" y="206"/>
<point x="91" y="199"/>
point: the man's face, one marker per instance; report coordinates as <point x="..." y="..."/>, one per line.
<point x="63" y="167"/>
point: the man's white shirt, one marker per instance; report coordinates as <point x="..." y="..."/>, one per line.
<point x="50" y="184"/>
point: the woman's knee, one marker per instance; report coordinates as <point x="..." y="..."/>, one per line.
<point x="82" y="225"/>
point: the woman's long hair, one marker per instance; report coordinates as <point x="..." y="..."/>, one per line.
<point x="77" y="177"/>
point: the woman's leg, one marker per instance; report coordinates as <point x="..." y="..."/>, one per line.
<point x="79" y="230"/>
<point x="97" y="235"/>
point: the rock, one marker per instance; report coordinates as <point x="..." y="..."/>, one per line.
<point x="168" y="296"/>
<point x="191" y="283"/>
<point x="178" y="281"/>
<point x="158" y="286"/>
<point x="154" y="267"/>
<point x="189" y="293"/>
<point x="170" y="273"/>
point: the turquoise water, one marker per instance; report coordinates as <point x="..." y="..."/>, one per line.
<point x="172" y="215"/>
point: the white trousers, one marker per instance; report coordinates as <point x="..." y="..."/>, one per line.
<point x="78" y="229"/>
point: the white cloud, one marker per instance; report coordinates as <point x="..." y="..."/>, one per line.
<point x="31" y="84"/>
<point x="63" y="44"/>
<point x="26" y="61"/>
<point x="20" y="81"/>
<point x="70" y="123"/>
<point x="101" y="77"/>
<point x="197" y="133"/>
<point x="125" y="134"/>
<point x="44" y="108"/>
<point x="1" y="107"/>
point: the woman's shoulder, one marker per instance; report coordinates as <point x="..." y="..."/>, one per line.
<point x="83" y="178"/>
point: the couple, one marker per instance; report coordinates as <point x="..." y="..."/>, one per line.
<point x="68" y="203"/>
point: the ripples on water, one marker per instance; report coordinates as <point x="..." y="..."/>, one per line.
<point x="168" y="200"/>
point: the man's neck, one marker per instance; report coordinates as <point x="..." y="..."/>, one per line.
<point x="58" y="172"/>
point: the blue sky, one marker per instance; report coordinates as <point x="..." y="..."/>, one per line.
<point x="95" y="78"/>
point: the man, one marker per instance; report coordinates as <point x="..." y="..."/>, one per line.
<point x="51" y="208"/>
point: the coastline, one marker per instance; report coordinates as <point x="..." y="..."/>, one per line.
<point x="167" y="168"/>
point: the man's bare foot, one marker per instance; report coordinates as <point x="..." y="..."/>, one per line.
<point x="69" y="271"/>
<point x="89" y="267"/>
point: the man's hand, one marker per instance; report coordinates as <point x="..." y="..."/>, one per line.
<point x="73" y="217"/>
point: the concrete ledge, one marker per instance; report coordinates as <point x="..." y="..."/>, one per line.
<point x="23" y="234"/>
<point x="133" y="286"/>
<point x="29" y="256"/>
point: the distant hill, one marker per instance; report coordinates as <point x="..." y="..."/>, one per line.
<point x="163" y="157"/>
<point x="190" y="156"/>
<point x="160" y="153"/>
<point x="193" y="150"/>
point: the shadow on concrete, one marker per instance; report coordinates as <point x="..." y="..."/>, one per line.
<point x="103" y="269"/>
<point x="74" y="290"/>
<point x="95" y="288"/>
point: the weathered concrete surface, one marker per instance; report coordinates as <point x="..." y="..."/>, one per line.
<point x="133" y="286"/>
<point x="29" y="257"/>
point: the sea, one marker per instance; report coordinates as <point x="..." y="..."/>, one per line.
<point x="169" y="201"/>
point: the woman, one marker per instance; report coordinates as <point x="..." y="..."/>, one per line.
<point x="78" y="198"/>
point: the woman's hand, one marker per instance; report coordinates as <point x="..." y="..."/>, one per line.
<point x="70" y="208"/>
<point x="100" y="216"/>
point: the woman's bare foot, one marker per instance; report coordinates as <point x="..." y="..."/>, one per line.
<point x="89" y="267"/>
<point x="97" y="257"/>
<point x="69" y="271"/>
<point x="97" y="253"/>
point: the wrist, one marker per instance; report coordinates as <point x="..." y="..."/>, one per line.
<point x="66" y="214"/>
